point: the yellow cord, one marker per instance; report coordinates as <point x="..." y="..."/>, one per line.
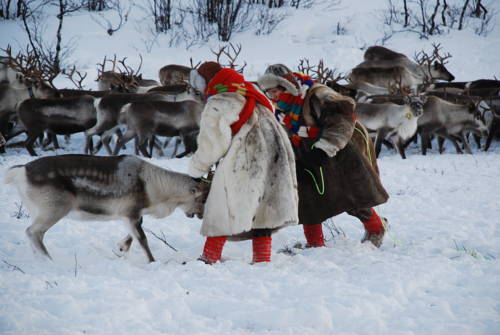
<point x="315" y="182"/>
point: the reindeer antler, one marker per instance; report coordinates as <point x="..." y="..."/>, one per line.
<point x="422" y="58"/>
<point x="436" y="55"/>
<point x="81" y="77"/>
<point x="30" y="66"/>
<point x="231" y="52"/>
<point x="191" y="63"/>
<point x="320" y="73"/>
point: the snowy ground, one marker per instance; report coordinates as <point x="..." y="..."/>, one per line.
<point x="437" y="272"/>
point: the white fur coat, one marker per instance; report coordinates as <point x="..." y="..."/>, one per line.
<point x="255" y="184"/>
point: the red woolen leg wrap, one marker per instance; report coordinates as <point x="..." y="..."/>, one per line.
<point x="262" y="249"/>
<point x="212" y="251"/>
<point x="314" y="235"/>
<point x="374" y="224"/>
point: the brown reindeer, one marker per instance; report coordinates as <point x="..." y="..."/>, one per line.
<point x="384" y="67"/>
<point x="450" y="121"/>
<point x="108" y="110"/>
<point x="62" y="116"/>
<point x="145" y="119"/>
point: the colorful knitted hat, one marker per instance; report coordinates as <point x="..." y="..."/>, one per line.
<point x="279" y="75"/>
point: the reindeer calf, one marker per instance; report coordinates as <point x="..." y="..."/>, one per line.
<point x="124" y="187"/>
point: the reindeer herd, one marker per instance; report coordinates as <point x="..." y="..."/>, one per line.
<point x="397" y="99"/>
<point x="144" y="108"/>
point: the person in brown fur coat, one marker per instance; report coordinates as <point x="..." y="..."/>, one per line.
<point x="335" y="161"/>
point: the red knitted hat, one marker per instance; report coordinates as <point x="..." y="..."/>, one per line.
<point x="208" y="70"/>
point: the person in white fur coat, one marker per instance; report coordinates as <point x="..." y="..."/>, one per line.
<point x="254" y="188"/>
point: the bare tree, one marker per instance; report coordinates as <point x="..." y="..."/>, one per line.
<point x="162" y="14"/>
<point x="95" y="5"/>
<point x="226" y="13"/>
<point x="464" y="8"/>
<point x="434" y="17"/>
<point x="49" y="55"/>
<point x="121" y="9"/>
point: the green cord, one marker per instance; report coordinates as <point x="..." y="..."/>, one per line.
<point x="315" y="182"/>
<point x="205" y="180"/>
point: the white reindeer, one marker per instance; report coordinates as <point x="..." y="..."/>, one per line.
<point x="395" y="121"/>
<point x="124" y="187"/>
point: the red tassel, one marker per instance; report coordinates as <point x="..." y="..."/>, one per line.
<point x="212" y="252"/>
<point x="314" y="235"/>
<point x="374" y="224"/>
<point x="262" y="249"/>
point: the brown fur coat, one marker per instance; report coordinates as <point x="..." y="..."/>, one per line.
<point x="351" y="176"/>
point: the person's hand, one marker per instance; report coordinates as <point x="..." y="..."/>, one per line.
<point x="314" y="157"/>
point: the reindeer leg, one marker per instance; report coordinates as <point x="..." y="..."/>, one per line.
<point x="138" y="234"/>
<point x="379" y="139"/>
<point x="125" y="244"/>
<point x="152" y="141"/>
<point x="167" y="141"/>
<point x="400" y="147"/>
<point x="41" y="224"/>
<point x="467" y="147"/>
<point x="122" y="140"/>
<point x="424" y="139"/>
<point x="441" y="144"/>
<point x="89" y="145"/>
<point x="142" y="142"/>
<point x="29" y="144"/>
<point x="493" y="130"/>
<point x="455" y="143"/>
<point x="176" y="146"/>
<point x="477" y="139"/>
<point x="54" y="140"/>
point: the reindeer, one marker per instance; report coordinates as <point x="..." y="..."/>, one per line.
<point x="12" y="93"/>
<point x="145" y="119"/>
<point x="2" y="142"/>
<point x="450" y="121"/>
<point x="108" y="109"/>
<point x="384" y="67"/>
<point x="174" y="74"/>
<point x="7" y="73"/>
<point x="102" y="188"/>
<point x="484" y="83"/>
<point x="395" y="119"/>
<point x="121" y="78"/>
<point x="57" y="115"/>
